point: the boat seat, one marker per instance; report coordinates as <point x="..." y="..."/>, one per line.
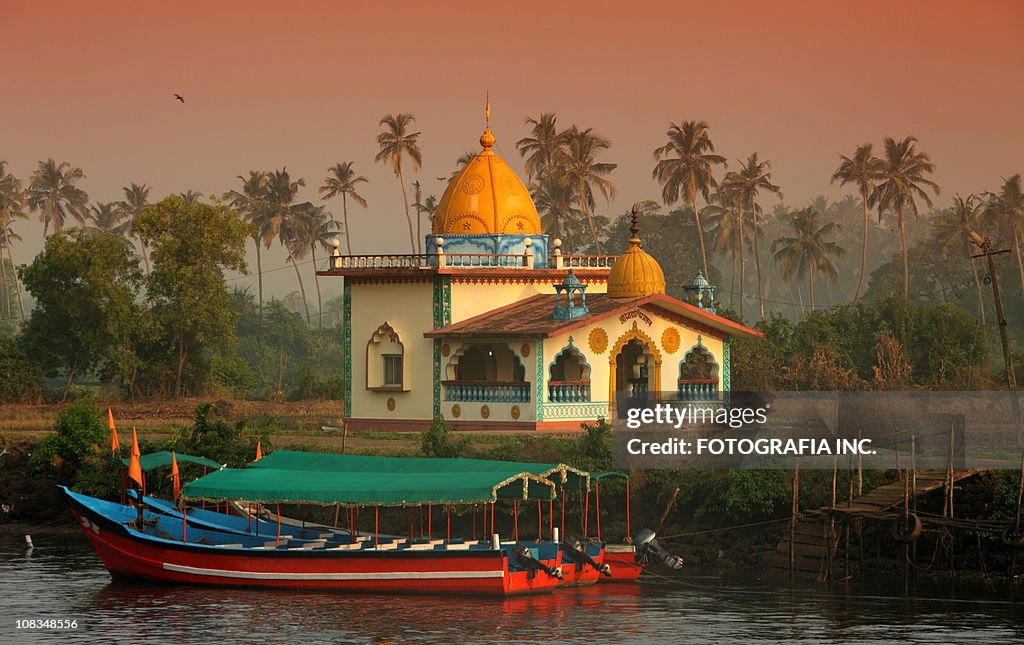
<point x="385" y="546"/>
<point x="458" y="546"/>
<point x="425" y="546"/>
<point x="229" y="546"/>
<point x="345" y="547"/>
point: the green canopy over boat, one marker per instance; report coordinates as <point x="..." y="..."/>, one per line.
<point x="559" y="474"/>
<point x="372" y="487"/>
<point x="155" y="460"/>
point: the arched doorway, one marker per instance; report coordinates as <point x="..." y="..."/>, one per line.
<point x="698" y="375"/>
<point x="569" y="377"/>
<point x="635" y="369"/>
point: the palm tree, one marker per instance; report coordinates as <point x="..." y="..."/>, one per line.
<point x="723" y="220"/>
<point x="865" y="170"/>
<point x="136" y="198"/>
<point x="323" y="230"/>
<point x="585" y="173"/>
<point x="902" y="178"/>
<point x="807" y="251"/>
<point x="53" y="193"/>
<point x="730" y="196"/>
<point x="12" y="207"/>
<point x="684" y="169"/>
<point x="1006" y="210"/>
<point x="288" y="221"/>
<point x="105" y="216"/>
<point x="543" y="147"/>
<point x="460" y="164"/>
<point x="558" y="205"/>
<point x="191" y="197"/>
<point x="951" y="228"/>
<point x="342" y="180"/>
<point x="252" y="204"/>
<point x="395" y="143"/>
<point x="753" y="177"/>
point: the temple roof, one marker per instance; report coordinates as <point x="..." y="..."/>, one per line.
<point x="532" y="318"/>
<point x="487" y="197"/>
<point x="635" y="273"/>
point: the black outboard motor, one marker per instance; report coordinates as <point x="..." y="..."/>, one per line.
<point x="577" y="552"/>
<point x="526" y="560"/>
<point x="648" y="550"/>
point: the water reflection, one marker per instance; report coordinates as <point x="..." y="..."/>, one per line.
<point x="54" y="581"/>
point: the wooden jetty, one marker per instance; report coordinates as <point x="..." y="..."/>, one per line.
<point x="812" y="544"/>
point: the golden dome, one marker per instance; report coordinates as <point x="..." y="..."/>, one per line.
<point x="635" y="273"/>
<point x="486" y="197"/>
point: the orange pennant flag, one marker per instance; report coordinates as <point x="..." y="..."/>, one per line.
<point x="259" y="451"/>
<point x="134" y="467"/>
<point x="175" y="477"/>
<point x="115" y="445"/>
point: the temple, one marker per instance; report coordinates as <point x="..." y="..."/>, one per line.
<point x="494" y="329"/>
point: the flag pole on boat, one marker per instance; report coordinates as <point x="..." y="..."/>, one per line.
<point x="135" y="472"/>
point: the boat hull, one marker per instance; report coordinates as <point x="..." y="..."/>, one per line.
<point x="622" y="559"/>
<point x="130" y="555"/>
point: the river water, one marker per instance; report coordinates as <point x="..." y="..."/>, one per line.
<point x="61" y="578"/>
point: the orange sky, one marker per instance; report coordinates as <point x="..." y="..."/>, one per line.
<point x="303" y="85"/>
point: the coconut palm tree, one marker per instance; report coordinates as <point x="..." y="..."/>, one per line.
<point x="460" y="164"/>
<point x="297" y="236"/>
<point x="53" y="193"/>
<point x="543" y="147"/>
<point x="754" y="176"/>
<point x="685" y="168"/>
<point x="950" y="227"/>
<point x="864" y="170"/>
<point x="323" y="230"/>
<point x="560" y="214"/>
<point x="12" y="207"/>
<point x="723" y="219"/>
<point x="342" y="180"/>
<point x="288" y="221"/>
<point x="902" y="179"/>
<point x="252" y="203"/>
<point x="105" y="216"/>
<point x="730" y="196"/>
<point x="1006" y="210"/>
<point x="136" y="199"/>
<point x="585" y="173"/>
<point x="807" y="251"/>
<point x="395" y="143"/>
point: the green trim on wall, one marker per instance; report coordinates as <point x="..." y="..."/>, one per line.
<point x="540" y="380"/>
<point x="442" y="305"/>
<point x="726" y="372"/>
<point x="346" y="343"/>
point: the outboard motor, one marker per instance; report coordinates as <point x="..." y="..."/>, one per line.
<point x="577" y="552"/>
<point x="526" y="560"/>
<point x="648" y="550"/>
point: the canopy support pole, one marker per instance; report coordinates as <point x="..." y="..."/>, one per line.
<point x="411" y="533"/>
<point x="492" y="518"/>
<point x="562" y="530"/>
<point x="203" y="502"/>
<point x="597" y="508"/>
<point x="448" y="513"/>
<point x="376" y="526"/>
<point x="586" y="513"/>
<point x="551" y="518"/>
<point x="184" y="522"/>
<point x="474" y="520"/>
<point x="540" y="523"/>
<point x="515" y="517"/>
<point x="629" y="532"/>
<point x="430" y="518"/>
<point x="277" y="540"/>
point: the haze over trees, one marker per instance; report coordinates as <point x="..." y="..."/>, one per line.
<point x="165" y="323"/>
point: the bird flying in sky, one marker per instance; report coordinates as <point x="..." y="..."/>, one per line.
<point x="180" y="97"/>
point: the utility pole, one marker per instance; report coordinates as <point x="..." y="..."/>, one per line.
<point x="985" y="244"/>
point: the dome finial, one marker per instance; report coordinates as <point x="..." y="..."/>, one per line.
<point x="634" y="227"/>
<point x="487" y="139"/>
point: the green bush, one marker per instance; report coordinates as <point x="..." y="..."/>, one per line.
<point x="79" y="431"/>
<point x="439" y="441"/>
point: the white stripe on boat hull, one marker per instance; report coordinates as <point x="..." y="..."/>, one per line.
<point x="386" y="575"/>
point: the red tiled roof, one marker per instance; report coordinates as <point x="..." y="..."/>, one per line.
<point x="533" y="317"/>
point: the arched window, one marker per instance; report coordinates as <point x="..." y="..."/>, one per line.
<point x="486" y="372"/>
<point x="569" y="376"/>
<point x="385" y="360"/>
<point x="698" y="374"/>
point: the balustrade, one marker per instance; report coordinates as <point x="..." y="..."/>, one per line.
<point x="487" y="391"/>
<point x="568" y="391"/>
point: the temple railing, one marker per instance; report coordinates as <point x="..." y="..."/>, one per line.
<point x="698" y="390"/>
<point x="487" y="391"/>
<point x="568" y="391"/>
<point x="465" y="261"/>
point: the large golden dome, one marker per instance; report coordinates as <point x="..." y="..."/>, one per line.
<point x="486" y="197"/>
<point x="635" y="273"/>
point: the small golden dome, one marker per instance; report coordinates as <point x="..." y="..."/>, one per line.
<point x="487" y="197"/>
<point x="635" y="273"/>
